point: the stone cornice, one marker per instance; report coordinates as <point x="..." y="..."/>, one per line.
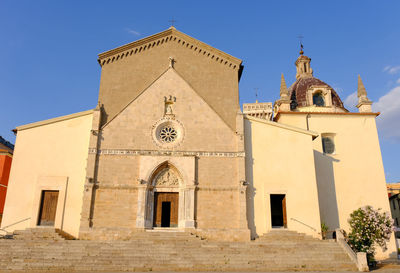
<point x="164" y="153"/>
<point x="6" y="153"/>
<point x="326" y="113"/>
<point x="169" y="35"/>
<point x="136" y="187"/>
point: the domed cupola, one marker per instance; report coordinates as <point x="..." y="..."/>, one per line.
<point x="309" y="94"/>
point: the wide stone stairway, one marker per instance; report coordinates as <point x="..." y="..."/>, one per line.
<point x="46" y="250"/>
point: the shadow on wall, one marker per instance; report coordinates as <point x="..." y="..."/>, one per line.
<point x="95" y="180"/>
<point x="251" y="191"/>
<point x="325" y="176"/>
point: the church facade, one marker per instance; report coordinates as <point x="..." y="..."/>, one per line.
<point x="168" y="147"/>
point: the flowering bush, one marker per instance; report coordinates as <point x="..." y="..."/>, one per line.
<point x="369" y="228"/>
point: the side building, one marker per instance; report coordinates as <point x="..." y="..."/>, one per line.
<point x="6" y="154"/>
<point x="347" y="155"/>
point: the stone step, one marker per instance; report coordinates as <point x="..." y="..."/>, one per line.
<point x="42" y="249"/>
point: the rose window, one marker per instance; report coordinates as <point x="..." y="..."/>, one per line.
<point x="168" y="134"/>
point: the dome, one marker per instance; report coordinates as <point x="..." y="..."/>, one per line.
<point x="298" y="92"/>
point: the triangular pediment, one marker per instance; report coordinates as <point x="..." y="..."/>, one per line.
<point x="191" y="115"/>
<point x="129" y="69"/>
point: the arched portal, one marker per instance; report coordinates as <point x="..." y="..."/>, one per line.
<point x="165" y="184"/>
<point x="165" y="200"/>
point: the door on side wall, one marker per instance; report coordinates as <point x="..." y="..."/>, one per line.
<point x="278" y="210"/>
<point x="48" y="208"/>
<point x="166" y="209"/>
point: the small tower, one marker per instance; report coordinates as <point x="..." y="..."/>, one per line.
<point x="364" y="104"/>
<point x="283" y="104"/>
<point x="303" y="67"/>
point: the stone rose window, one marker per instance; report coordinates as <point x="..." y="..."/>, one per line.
<point x="168" y="134"/>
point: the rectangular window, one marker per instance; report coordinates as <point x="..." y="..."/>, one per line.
<point x="394" y="204"/>
<point x="328" y="143"/>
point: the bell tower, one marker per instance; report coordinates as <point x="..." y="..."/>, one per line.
<point x="303" y="67"/>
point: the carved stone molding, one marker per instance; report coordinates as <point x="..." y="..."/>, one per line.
<point x="164" y="153"/>
<point x="168" y="36"/>
<point x="166" y="177"/>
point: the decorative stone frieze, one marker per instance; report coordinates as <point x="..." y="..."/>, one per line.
<point x="167" y="177"/>
<point x="168" y="36"/>
<point x="164" y="153"/>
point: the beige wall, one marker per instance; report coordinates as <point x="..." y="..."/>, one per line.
<point x="51" y="156"/>
<point x="280" y="161"/>
<point x="353" y="176"/>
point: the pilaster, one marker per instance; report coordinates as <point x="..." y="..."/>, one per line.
<point x="91" y="169"/>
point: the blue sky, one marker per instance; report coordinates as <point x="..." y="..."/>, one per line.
<point x="49" y="51"/>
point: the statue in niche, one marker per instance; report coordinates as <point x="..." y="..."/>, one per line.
<point x="167" y="177"/>
<point x="168" y="111"/>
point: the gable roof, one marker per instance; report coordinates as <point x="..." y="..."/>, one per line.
<point x="170" y="34"/>
<point x="6" y="145"/>
<point x="52" y="120"/>
<point x="129" y="69"/>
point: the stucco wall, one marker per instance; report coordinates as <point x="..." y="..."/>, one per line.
<point x="51" y="156"/>
<point x="353" y="176"/>
<point x="280" y="161"/>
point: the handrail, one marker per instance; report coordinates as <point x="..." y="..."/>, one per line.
<point x="303" y="224"/>
<point x="23" y="220"/>
<point x="359" y="258"/>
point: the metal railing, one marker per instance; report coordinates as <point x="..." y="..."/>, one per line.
<point x="13" y="224"/>
<point x="304" y="224"/>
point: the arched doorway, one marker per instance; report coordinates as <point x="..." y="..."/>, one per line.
<point x="166" y="182"/>
<point x="165" y="199"/>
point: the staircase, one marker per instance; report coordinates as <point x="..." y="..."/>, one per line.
<point x="38" y="234"/>
<point x="46" y="250"/>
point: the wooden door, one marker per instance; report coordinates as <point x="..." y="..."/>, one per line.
<point x="48" y="208"/>
<point x="171" y="202"/>
<point x="284" y="211"/>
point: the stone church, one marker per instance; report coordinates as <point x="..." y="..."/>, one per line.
<point x="168" y="147"/>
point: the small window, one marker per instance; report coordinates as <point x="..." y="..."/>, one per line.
<point x="328" y="145"/>
<point x="394" y="204"/>
<point x="397" y="222"/>
<point x="318" y="99"/>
